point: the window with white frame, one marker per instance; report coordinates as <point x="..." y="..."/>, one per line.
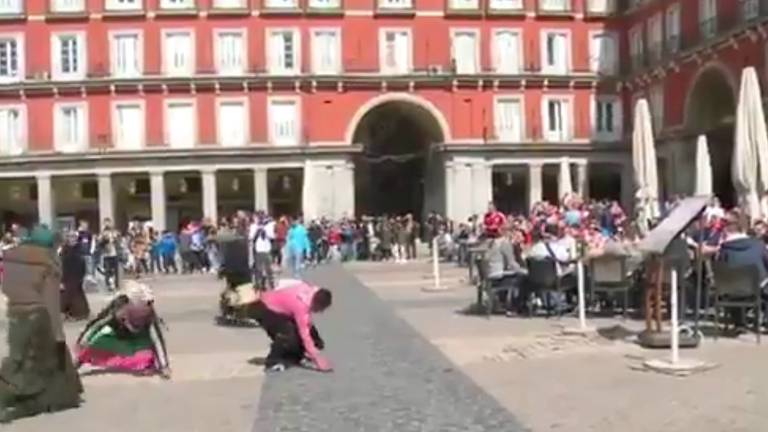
<point x="508" y="119"/>
<point x="395" y="51"/>
<point x="283" y="48"/>
<point x="123" y="5"/>
<point x="281" y="4"/>
<point x="636" y="46"/>
<point x="507" y="51"/>
<point x="10" y="7"/>
<point x="606" y="117"/>
<point x="178" y="52"/>
<point x="556" y="52"/>
<point x="654" y="35"/>
<point x="128" y="125"/>
<point x="126" y="54"/>
<point x="11" y="58"/>
<point x="656" y="105"/>
<point x="395" y="4"/>
<point x="180" y="124"/>
<point x="230" y="52"/>
<point x="604" y="53"/>
<point x="464" y="4"/>
<point x="177" y="4"/>
<point x="708" y="17"/>
<point x="600" y="6"/>
<point x="464" y="47"/>
<point x="324" y="4"/>
<point x="13" y="130"/>
<point x="71" y="126"/>
<point x="67" y="5"/>
<point x="232" y="121"/>
<point x="68" y="55"/>
<point x="673" y="28"/>
<point x="556" y="112"/>
<point x="230" y="4"/>
<point x="506" y="5"/>
<point x="555" y="5"/>
<point x="326" y="51"/>
<point x="284" y="122"/>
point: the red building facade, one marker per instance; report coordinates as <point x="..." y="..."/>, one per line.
<point x="686" y="57"/>
<point x="172" y="109"/>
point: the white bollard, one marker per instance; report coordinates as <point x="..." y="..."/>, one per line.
<point x="435" y="264"/>
<point x="674" y="336"/>
<point x="582" y="300"/>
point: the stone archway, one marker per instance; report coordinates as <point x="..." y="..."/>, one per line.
<point x="398" y="172"/>
<point x="710" y="110"/>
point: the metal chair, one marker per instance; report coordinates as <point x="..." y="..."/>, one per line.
<point x="543" y="277"/>
<point x="739" y="287"/>
<point x="491" y="287"/>
<point x="608" y="274"/>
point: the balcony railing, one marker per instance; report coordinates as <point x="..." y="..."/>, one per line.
<point x="708" y="27"/>
<point x="655" y="51"/>
<point x="639" y="61"/>
<point x="671" y="45"/>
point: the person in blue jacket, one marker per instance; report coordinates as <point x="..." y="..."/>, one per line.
<point x="297" y="246"/>
<point x="167" y="249"/>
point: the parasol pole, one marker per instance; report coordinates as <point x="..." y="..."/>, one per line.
<point x="582" y="301"/>
<point x="675" y="334"/>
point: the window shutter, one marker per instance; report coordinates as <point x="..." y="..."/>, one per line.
<point x="565" y="117"/>
<point x="402" y="52"/>
<point x="618" y="117"/>
<point x="57" y="54"/>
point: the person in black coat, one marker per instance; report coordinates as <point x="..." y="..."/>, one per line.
<point x="74" y="304"/>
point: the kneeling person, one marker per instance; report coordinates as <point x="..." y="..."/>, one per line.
<point x="286" y="316"/>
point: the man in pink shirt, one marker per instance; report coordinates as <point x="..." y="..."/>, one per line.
<point x="286" y="315"/>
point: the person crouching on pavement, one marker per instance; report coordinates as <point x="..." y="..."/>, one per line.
<point x="286" y="316"/>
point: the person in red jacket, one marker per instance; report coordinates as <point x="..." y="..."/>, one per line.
<point x="493" y="221"/>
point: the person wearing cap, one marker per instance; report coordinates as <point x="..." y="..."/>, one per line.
<point x="37" y="375"/>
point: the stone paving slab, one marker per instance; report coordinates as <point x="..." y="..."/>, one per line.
<point x="388" y="378"/>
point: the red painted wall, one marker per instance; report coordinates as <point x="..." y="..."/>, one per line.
<point x="326" y="114"/>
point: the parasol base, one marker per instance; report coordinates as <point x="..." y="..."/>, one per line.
<point x="657" y="340"/>
<point x="682" y="367"/>
<point x="436" y="289"/>
<point x="579" y="331"/>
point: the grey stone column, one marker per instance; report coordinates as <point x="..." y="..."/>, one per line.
<point x="106" y="197"/>
<point x="482" y="187"/>
<point x="535" y="183"/>
<point x="210" y="195"/>
<point x="582" y="180"/>
<point x="157" y="192"/>
<point x="344" y="190"/>
<point x="260" y="189"/>
<point x="45" y="204"/>
<point x="450" y="180"/>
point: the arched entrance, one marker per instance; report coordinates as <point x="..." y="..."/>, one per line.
<point x="398" y="171"/>
<point x="711" y="110"/>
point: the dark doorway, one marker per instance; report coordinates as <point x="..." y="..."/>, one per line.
<point x="510" y="189"/>
<point x="285" y="187"/>
<point x="711" y="111"/>
<point x="605" y="182"/>
<point x="391" y="172"/>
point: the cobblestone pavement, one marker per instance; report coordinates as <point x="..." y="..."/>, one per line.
<point x="388" y="378"/>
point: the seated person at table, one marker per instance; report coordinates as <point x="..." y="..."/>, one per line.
<point x="504" y="269"/>
<point x="548" y="246"/>
<point x="738" y="249"/>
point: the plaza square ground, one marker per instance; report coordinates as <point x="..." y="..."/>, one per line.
<point x="408" y="360"/>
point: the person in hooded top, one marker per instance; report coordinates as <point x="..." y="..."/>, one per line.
<point x="37" y="375"/>
<point x="126" y="335"/>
